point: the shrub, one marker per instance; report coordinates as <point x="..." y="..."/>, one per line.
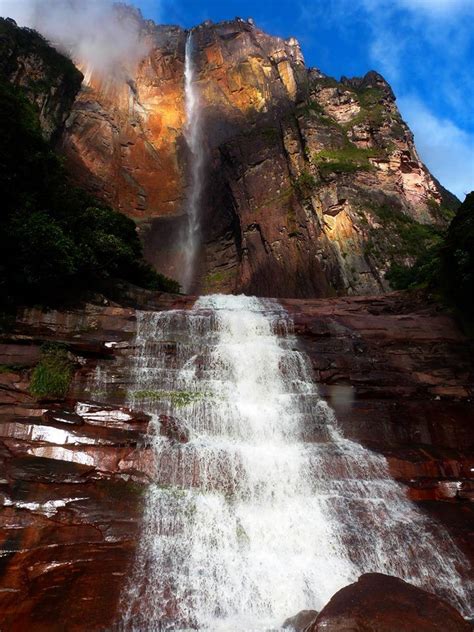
<point x="446" y="265"/>
<point x="52" y="376"/>
<point x="457" y="259"/>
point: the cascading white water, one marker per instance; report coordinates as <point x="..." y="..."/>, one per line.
<point x="194" y="140"/>
<point x="267" y="509"/>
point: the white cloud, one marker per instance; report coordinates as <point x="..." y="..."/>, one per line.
<point x="446" y="149"/>
<point x="92" y="31"/>
<point x="437" y="8"/>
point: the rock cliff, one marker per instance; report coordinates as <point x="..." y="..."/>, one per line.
<point x="313" y="186"/>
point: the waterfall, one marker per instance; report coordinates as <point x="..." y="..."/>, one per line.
<point x="194" y="140"/>
<point x="259" y="506"/>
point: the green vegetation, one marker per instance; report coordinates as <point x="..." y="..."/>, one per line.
<point x="371" y="109"/>
<point x="368" y="97"/>
<point x="27" y="43"/>
<point x="345" y="160"/>
<point x="457" y="259"/>
<point x="55" y="239"/>
<point x="441" y="211"/>
<point x="215" y="280"/>
<point x="176" y="398"/>
<point x="398" y="238"/>
<point x="447" y="267"/>
<point x="11" y="368"/>
<point x="310" y="107"/>
<point x="325" y="82"/>
<point x="305" y="183"/>
<point x="52" y="376"/>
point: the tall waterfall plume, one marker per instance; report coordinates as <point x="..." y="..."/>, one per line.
<point x="260" y="507"/>
<point x="194" y="140"/>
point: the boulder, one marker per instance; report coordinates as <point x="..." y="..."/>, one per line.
<point x="380" y="603"/>
<point x="301" y="622"/>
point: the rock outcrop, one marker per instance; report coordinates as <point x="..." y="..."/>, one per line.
<point x="313" y="186"/>
<point x="301" y="621"/>
<point x="381" y="603"/>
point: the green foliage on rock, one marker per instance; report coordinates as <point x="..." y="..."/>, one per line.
<point x="55" y="239"/>
<point x="52" y="376"/>
<point x="397" y="240"/>
<point x="305" y="183"/>
<point x="447" y="265"/>
<point x="179" y="399"/>
<point x="347" y="159"/>
<point x="457" y="258"/>
<point x="23" y="43"/>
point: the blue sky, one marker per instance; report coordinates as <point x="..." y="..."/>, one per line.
<point x="424" y="48"/>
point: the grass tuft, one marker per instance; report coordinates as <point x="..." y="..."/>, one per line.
<point x="52" y="376"/>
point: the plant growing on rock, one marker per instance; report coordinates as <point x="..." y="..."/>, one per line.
<point x="52" y="375"/>
<point x="305" y="183"/>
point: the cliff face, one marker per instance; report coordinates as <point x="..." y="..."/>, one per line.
<point x="313" y="186"/>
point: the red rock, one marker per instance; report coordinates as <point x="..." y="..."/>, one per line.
<point x="380" y="603"/>
<point x="173" y="429"/>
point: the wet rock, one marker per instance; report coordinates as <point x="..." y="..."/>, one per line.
<point x="301" y="622"/>
<point x="174" y="429"/>
<point x="381" y="603"/>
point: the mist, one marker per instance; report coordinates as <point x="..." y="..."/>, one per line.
<point x="103" y="37"/>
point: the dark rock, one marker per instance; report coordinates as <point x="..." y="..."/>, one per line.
<point x="301" y="621"/>
<point x="174" y="429"/>
<point x="380" y="603"/>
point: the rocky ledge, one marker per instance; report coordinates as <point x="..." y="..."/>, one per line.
<point x="74" y="471"/>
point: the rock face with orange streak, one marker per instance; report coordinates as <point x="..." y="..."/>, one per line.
<point x="123" y="134"/>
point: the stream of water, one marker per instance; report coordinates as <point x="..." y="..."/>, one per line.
<point x="194" y="140"/>
<point x="266" y="509"/>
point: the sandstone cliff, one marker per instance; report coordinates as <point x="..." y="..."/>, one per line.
<point x="313" y="186"/>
